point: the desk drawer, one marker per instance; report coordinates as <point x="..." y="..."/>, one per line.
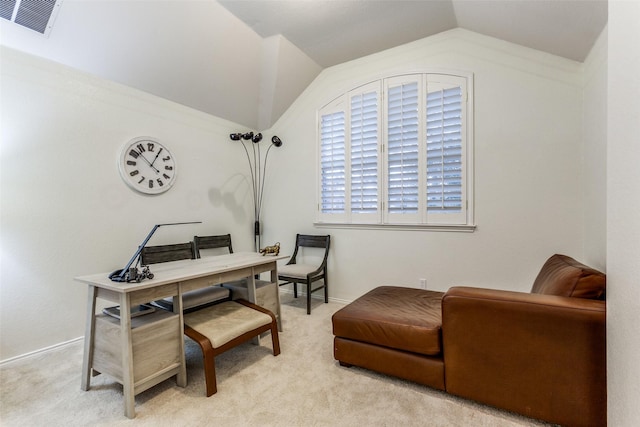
<point x="155" y="339"/>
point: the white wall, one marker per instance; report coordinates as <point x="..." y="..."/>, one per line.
<point x="64" y="209"/>
<point x="623" y="207"/>
<point x="528" y="172"/>
<point x="595" y="154"/>
<point x="125" y="41"/>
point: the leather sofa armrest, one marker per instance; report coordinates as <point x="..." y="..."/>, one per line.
<point x="543" y="356"/>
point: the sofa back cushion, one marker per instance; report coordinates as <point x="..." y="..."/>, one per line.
<point x="564" y="276"/>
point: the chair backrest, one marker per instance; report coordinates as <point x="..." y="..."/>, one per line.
<point x="166" y="253"/>
<point x="312" y="241"/>
<point x="212" y="242"/>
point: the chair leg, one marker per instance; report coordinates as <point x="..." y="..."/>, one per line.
<point x="308" y="297"/>
<point x="295" y="289"/>
<point x="326" y="288"/>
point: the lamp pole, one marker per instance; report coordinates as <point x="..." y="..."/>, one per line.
<point x="258" y="168"/>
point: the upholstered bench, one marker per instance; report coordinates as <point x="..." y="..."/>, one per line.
<point x="407" y="320"/>
<point x="220" y="327"/>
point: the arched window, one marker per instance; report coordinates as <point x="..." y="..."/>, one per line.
<point x="398" y="151"/>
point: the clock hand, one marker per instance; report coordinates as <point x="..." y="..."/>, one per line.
<point x="149" y="163"/>
<point x="156" y="158"/>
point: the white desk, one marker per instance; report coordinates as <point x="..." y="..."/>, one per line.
<point x="143" y="351"/>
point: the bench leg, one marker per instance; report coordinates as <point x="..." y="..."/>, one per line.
<point x="210" y="373"/>
<point x="208" y="358"/>
<point x="275" y="340"/>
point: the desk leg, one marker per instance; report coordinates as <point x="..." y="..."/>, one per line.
<point x="274" y="279"/>
<point x="89" y="336"/>
<point x="251" y="287"/>
<point x="128" y="385"/>
<point x="251" y="291"/>
<point x="181" y="378"/>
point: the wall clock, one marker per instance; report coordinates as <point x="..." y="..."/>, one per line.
<point x="147" y="166"/>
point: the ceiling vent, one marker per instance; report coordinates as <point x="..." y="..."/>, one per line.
<point x="37" y="15"/>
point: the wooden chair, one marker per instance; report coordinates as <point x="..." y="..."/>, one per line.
<point x="212" y="242"/>
<point x="307" y="273"/>
<point x="223" y="326"/>
<point x="192" y="300"/>
<point x="165" y="253"/>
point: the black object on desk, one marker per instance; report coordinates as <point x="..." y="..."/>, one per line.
<point x="131" y="273"/>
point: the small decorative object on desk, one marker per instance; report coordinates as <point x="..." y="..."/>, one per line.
<point x="271" y="250"/>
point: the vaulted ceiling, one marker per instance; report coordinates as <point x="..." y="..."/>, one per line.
<point x="331" y="32"/>
<point x="247" y="60"/>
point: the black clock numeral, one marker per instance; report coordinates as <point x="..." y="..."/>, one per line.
<point x="160" y="183"/>
<point x="150" y="146"/>
<point x="165" y="176"/>
<point x="140" y="148"/>
<point x="167" y="158"/>
<point x="141" y="180"/>
<point x="168" y="168"/>
<point x="134" y="173"/>
<point x="131" y="163"/>
<point x="134" y="154"/>
<point x="150" y="183"/>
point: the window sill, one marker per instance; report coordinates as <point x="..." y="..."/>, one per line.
<point x="411" y="227"/>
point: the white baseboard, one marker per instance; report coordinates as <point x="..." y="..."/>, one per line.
<point x="316" y="296"/>
<point x="40" y="351"/>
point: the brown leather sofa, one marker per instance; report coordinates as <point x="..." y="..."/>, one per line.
<point x="540" y="354"/>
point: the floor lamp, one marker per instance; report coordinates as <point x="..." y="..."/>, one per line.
<point x="258" y="168"/>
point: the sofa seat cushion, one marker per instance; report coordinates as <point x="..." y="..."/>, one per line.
<point x="563" y="276"/>
<point x="401" y="318"/>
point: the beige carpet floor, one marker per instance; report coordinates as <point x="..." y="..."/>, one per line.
<point x="303" y="386"/>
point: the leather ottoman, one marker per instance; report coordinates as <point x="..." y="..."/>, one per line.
<point x="393" y="330"/>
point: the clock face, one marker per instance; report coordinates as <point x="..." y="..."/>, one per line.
<point x="147" y="166"/>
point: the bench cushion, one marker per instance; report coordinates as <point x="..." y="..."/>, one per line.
<point x="401" y="318"/>
<point x="223" y="322"/>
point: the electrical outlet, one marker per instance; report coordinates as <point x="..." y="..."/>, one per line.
<point x="423" y="283"/>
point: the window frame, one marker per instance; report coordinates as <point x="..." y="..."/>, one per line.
<point x="423" y="219"/>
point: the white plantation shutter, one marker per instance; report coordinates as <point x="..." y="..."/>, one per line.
<point x="332" y="163"/>
<point x="445" y="174"/>
<point x="396" y="151"/>
<point x="364" y="143"/>
<point x="403" y="150"/>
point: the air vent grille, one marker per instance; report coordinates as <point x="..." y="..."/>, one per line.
<point x="6" y="8"/>
<point x="37" y="15"/>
